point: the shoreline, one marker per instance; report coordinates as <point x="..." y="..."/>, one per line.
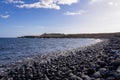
<point x="49" y="54"/>
<point x="15" y="51"/>
<point x="67" y="63"/>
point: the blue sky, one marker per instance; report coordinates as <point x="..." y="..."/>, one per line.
<point x="34" y="17"/>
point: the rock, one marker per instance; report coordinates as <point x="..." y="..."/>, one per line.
<point x="97" y="75"/>
<point x="104" y="72"/>
<point x="115" y="63"/>
<point x="112" y="68"/>
<point x="97" y="79"/>
<point x="101" y="63"/>
<point x="74" y="77"/>
<point x="110" y="78"/>
<point x="85" y="77"/>
<point x="102" y="79"/>
<point x="118" y="69"/>
<point x="90" y="71"/>
<point x="46" y="78"/>
<point x="1" y="77"/>
<point x="117" y="76"/>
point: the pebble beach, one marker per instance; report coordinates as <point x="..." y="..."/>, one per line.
<point x="100" y="61"/>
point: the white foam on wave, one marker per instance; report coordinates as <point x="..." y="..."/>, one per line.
<point x="98" y="40"/>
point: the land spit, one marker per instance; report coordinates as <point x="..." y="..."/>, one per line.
<point x="97" y="62"/>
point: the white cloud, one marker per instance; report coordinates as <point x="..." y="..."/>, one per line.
<point x="95" y="1"/>
<point x="75" y="13"/>
<point x="109" y="2"/>
<point x="103" y="16"/>
<point x="113" y="3"/>
<point x="51" y="4"/>
<point x="15" y="1"/>
<point x="42" y="4"/>
<point x="4" y="16"/>
<point x="68" y="2"/>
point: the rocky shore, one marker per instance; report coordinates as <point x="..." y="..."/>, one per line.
<point x="97" y="62"/>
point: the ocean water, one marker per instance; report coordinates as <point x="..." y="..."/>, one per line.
<point x="13" y="49"/>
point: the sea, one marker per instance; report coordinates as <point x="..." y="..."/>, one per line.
<point x="14" y="49"/>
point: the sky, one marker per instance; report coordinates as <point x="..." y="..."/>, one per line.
<point x="34" y="17"/>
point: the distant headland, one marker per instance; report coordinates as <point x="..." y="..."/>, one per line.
<point x="87" y="35"/>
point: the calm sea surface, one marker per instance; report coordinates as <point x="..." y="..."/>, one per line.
<point x="13" y="49"/>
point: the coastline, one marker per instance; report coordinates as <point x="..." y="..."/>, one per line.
<point x="92" y="62"/>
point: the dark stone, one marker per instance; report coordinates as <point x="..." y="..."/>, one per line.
<point x="101" y="63"/>
<point x="85" y="77"/>
<point x="104" y="72"/>
<point x="110" y="78"/>
<point x="112" y="68"/>
<point x="74" y="77"/>
<point x="117" y="75"/>
<point x="96" y="75"/>
<point x="118" y="69"/>
<point x="90" y="71"/>
<point x="1" y="77"/>
<point x="115" y="63"/>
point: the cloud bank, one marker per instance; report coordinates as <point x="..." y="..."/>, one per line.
<point x="50" y="4"/>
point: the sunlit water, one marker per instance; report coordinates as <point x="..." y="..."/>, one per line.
<point x="13" y="49"/>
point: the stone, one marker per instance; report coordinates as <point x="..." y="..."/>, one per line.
<point x="104" y="72"/>
<point x="118" y="69"/>
<point x="110" y="78"/>
<point x="101" y="63"/>
<point x="85" y="77"/>
<point x="1" y="77"/>
<point x="90" y="71"/>
<point x="74" y="77"/>
<point x="117" y="75"/>
<point x="115" y="63"/>
<point x="97" y="79"/>
<point x="97" y="75"/>
<point x="46" y="78"/>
